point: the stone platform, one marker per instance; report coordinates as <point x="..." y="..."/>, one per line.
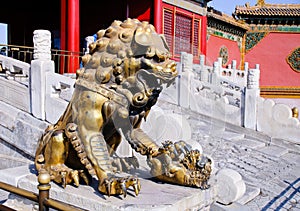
<point x="154" y="196"/>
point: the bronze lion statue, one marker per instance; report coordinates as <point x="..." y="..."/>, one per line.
<point x="120" y="81"/>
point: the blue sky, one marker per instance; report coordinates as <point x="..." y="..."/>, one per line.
<point x="3" y="33"/>
<point x="228" y="6"/>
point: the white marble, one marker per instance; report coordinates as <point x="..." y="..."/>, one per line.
<point x="230" y="186"/>
<point x="154" y="196"/>
<point x="276" y="120"/>
<point x="39" y="68"/>
<point x="161" y="126"/>
<point x="250" y="109"/>
<point x="55" y="104"/>
<point x="42" y="44"/>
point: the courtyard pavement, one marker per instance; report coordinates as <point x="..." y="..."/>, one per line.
<point x="270" y="167"/>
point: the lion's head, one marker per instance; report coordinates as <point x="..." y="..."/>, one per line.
<point x="131" y="58"/>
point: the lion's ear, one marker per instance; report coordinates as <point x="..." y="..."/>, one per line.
<point x="142" y="38"/>
<point x="141" y="41"/>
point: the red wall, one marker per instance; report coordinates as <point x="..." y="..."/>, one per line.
<point x="270" y="53"/>
<point x="140" y="9"/>
<point x="214" y="44"/>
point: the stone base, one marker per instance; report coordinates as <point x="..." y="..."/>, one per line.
<point x="232" y="207"/>
<point x="153" y="196"/>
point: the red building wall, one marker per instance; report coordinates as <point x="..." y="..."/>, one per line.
<point x="271" y="53"/>
<point x="215" y="43"/>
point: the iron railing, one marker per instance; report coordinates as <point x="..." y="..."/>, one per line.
<point x="63" y="59"/>
<point x="42" y="198"/>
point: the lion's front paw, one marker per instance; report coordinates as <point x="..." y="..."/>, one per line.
<point x="64" y="175"/>
<point x="119" y="185"/>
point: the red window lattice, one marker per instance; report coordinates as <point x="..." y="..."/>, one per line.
<point x="182" y="30"/>
<point x="183" y="33"/>
<point x="196" y="38"/>
<point x="168" y="27"/>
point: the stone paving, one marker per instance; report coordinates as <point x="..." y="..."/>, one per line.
<point x="269" y="167"/>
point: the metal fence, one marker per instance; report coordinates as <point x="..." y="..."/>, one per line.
<point x="62" y="58"/>
<point x="42" y="198"/>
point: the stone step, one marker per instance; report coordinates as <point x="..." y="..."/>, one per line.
<point x="231" y="207"/>
<point x="293" y="147"/>
<point x="251" y="193"/>
<point x="249" y="143"/>
<point x="8" y="161"/>
<point x="154" y="196"/>
<point x="228" y="135"/>
<point x="293" y="158"/>
<point x="274" y="151"/>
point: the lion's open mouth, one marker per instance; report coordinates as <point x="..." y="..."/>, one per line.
<point x="154" y="80"/>
<point x="157" y="73"/>
<point x="149" y="80"/>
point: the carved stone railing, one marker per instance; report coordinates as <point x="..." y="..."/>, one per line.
<point x="36" y="88"/>
<point x="50" y="91"/>
<point x="216" y="91"/>
<point x="14" y="77"/>
<point x="232" y="96"/>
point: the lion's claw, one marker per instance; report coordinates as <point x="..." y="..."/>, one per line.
<point x="65" y="176"/>
<point x="119" y="186"/>
<point x="123" y="187"/>
<point x="176" y="149"/>
<point x="135" y="183"/>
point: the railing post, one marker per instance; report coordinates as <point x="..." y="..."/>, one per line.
<point x="203" y="70"/>
<point x="186" y="74"/>
<point x="252" y="92"/>
<point x="234" y="72"/>
<point x="233" y="64"/>
<point x="215" y="74"/>
<point x="44" y="187"/>
<point x="39" y="67"/>
<point x="220" y="65"/>
<point x="246" y="68"/>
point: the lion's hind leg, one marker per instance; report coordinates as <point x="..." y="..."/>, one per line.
<point x="53" y="158"/>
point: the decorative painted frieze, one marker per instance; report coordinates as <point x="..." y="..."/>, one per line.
<point x="293" y="59"/>
<point x="253" y="38"/>
<point x="274" y="28"/>
<point x="223" y="53"/>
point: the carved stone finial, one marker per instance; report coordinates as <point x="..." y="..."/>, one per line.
<point x="42" y="44"/>
<point x="253" y="79"/>
<point x="187" y="61"/>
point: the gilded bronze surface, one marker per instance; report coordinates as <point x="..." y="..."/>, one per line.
<point x="114" y="91"/>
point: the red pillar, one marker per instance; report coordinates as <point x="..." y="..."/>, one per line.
<point x="203" y="35"/>
<point x="73" y="35"/>
<point x="158" y="15"/>
<point x="63" y="24"/>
